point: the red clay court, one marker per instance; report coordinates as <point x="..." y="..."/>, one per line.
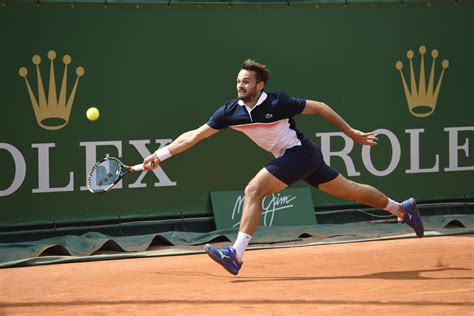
<point x="429" y="276"/>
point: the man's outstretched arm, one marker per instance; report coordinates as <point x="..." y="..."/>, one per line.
<point x="320" y="108"/>
<point x="182" y="143"/>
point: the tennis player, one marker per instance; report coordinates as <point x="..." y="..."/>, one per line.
<point x="267" y="118"/>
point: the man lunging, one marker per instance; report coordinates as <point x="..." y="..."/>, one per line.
<point x="267" y="118"/>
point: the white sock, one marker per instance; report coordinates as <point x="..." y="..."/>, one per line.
<point x="394" y="208"/>
<point x="241" y="243"/>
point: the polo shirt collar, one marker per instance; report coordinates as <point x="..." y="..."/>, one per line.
<point x="261" y="99"/>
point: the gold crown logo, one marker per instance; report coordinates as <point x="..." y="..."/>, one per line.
<point x="422" y="98"/>
<point x="52" y="113"/>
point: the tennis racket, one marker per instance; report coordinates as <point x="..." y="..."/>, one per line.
<point x="106" y="173"/>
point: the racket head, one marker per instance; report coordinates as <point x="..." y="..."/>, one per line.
<point x="105" y="174"/>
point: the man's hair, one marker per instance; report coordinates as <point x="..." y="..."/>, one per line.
<point x="261" y="71"/>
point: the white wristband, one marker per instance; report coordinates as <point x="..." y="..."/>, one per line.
<point x="163" y="153"/>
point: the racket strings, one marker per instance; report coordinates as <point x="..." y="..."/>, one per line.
<point x="104" y="175"/>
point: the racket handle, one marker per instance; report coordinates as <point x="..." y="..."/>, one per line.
<point x="140" y="166"/>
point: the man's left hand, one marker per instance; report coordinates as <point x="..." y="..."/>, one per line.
<point x="363" y="138"/>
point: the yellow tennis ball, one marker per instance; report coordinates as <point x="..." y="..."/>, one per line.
<point x="92" y="114"/>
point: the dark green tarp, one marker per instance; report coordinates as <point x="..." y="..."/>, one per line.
<point x="96" y="246"/>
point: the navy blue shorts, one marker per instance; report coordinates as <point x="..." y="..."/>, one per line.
<point x="303" y="162"/>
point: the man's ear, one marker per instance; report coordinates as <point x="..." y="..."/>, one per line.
<point x="260" y="85"/>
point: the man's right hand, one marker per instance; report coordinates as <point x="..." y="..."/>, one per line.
<point x="152" y="158"/>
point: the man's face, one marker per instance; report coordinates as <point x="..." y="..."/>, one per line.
<point x="247" y="87"/>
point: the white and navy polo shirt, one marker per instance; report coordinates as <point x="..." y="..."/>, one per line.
<point x="269" y="123"/>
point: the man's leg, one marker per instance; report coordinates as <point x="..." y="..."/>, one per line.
<point x="350" y="190"/>
<point x="368" y="195"/>
<point x="262" y="184"/>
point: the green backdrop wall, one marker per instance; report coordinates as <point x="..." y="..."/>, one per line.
<point x="155" y="72"/>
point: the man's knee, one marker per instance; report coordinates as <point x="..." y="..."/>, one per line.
<point x="253" y="191"/>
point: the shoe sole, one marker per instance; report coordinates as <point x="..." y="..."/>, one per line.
<point x="417" y="213"/>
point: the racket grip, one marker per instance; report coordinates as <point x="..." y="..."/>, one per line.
<point x="140" y="166"/>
